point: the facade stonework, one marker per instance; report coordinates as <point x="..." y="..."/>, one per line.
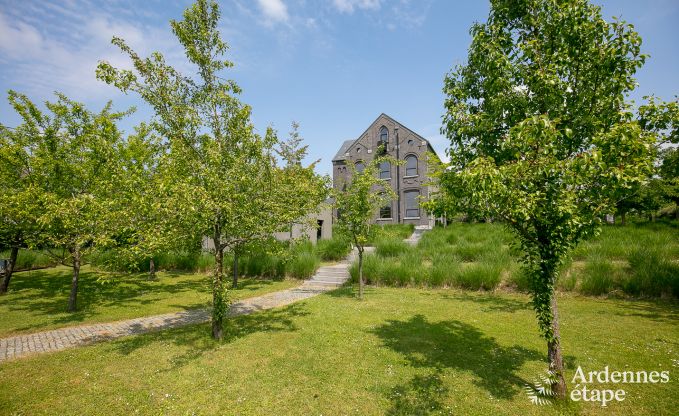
<point x="409" y="180"/>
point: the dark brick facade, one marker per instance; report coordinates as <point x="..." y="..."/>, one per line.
<point x="409" y="181"/>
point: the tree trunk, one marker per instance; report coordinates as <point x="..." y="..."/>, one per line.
<point x="218" y="301"/>
<point x="554" y="354"/>
<point x="9" y="269"/>
<point x="152" y="270"/>
<point x="234" y="283"/>
<point x="623" y="214"/>
<point x="73" y="297"/>
<point x="360" y="274"/>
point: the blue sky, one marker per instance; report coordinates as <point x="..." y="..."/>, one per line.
<point x="331" y="65"/>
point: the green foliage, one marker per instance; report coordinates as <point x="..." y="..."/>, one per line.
<point x="397" y="231"/>
<point x="542" y="137"/>
<point x="333" y="249"/>
<point x="69" y="162"/>
<point x="598" y="277"/>
<point x="620" y="261"/>
<point x="31" y="259"/>
<point x="303" y="265"/>
<point x="652" y="274"/>
<point x="390" y="247"/>
<point x="217" y="177"/>
<point x="358" y="201"/>
<point x="479" y="276"/>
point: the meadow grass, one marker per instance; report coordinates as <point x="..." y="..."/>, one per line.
<point x="333" y="249"/>
<point x="397" y="352"/>
<point x="640" y="260"/>
<point x="30" y="259"/>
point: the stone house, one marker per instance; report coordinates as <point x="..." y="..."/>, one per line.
<point x="409" y="181"/>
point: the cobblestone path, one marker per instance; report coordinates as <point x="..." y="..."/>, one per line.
<point x="326" y="278"/>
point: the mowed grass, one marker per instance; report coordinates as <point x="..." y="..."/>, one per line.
<point x="398" y="352"/>
<point x="37" y="299"/>
<point x="635" y="260"/>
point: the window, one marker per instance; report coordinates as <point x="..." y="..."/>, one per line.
<point x="411" y="165"/>
<point x="412" y="204"/>
<point x="359" y="167"/>
<point x="384" y="135"/>
<point x="385" y="170"/>
<point x="385" y="212"/>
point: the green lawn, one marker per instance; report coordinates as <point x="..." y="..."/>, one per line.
<point x="37" y="299"/>
<point x="398" y="352"/>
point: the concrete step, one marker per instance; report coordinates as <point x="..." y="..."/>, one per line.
<point x="333" y="278"/>
<point x="320" y="282"/>
<point x="332" y="274"/>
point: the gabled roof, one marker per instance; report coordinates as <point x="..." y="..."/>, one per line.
<point x="343" y="149"/>
<point x="346" y="145"/>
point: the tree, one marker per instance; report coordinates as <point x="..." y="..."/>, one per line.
<point x="68" y="159"/>
<point x="541" y="136"/>
<point x="19" y="190"/>
<point x="301" y="186"/>
<point x="217" y="176"/>
<point x="357" y="203"/>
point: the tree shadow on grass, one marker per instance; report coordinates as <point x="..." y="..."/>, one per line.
<point x="197" y="339"/>
<point x="420" y="396"/>
<point x="351" y="291"/>
<point x="490" y="302"/>
<point x="45" y="293"/>
<point x="436" y="346"/>
<point x="666" y="311"/>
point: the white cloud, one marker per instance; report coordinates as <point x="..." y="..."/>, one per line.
<point x="348" y="6"/>
<point x="58" y="49"/>
<point x="274" y="11"/>
<point x="19" y="41"/>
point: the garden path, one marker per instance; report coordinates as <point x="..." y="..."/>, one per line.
<point x="326" y="278"/>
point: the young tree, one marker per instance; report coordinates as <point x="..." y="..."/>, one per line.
<point x="217" y="176"/>
<point x="68" y="163"/>
<point x="19" y="190"/>
<point x="541" y="136"/>
<point x="356" y="205"/>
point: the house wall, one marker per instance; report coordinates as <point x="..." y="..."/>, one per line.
<point x="365" y="149"/>
<point x="310" y="231"/>
<point x="298" y="230"/>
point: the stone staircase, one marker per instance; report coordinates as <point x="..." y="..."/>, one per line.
<point x="417" y="234"/>
<point x="327" y="277"/>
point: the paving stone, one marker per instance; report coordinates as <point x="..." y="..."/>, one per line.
<point x="326" y="278"/>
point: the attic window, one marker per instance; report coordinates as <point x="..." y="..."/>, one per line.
<point x="358" y="150"/>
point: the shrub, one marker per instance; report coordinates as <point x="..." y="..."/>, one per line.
<point x="479" y="276"/>
<point x="397" y="231"/>
<point x="652" y="274"/>
<point x="390" y="247"/>
<point x="597" y="278"/>
<point x="259" y="263"/>
<point x="444" y="270"/>
<point x="303" y="265"/>
<point x="470" y="252"/>
<point x="371" y="269"/>
<point x="334" y="249"/>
